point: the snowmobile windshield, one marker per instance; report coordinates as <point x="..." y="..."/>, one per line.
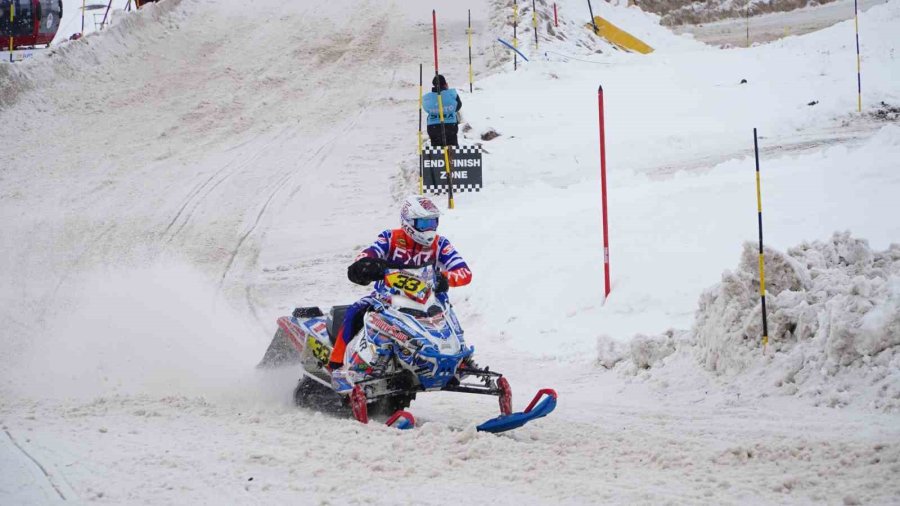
<point x="432" y="311"/>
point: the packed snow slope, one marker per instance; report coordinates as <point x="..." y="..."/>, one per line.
<point x="176" y="182"/>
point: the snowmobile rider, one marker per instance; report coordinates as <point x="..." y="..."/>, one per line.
<point x="452" y="104"/>
<point x="415" y="243"/>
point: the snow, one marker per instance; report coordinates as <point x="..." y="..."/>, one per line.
<point x="174" y="186"/>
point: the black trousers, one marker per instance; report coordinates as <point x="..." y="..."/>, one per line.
<point x="450" y="130"/>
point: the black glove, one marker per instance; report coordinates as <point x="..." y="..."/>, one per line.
<point x="365" y="270"/>
<point x="441" y="285"/>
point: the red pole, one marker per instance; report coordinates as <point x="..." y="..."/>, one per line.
<point x="434" y="31"/>
<point x="555" y="16"/>
<point x="603" y="190"/>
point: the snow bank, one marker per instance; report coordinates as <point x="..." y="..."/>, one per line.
<point x="87" y="55"/>
<point x="833" y="321"/>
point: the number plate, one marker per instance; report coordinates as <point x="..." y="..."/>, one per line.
<point x="411" y="286"/>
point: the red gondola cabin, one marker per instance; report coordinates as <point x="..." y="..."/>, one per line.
<point x="30" y="24"/>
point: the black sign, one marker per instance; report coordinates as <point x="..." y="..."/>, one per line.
<point x="465" y="165"/>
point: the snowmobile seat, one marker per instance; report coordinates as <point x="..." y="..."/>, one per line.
<point x="334" y="321"/>
<point x="307" y="312"/>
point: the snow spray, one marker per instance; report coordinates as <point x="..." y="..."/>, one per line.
<point x="762" y="266"/>
<point x="534" y="23"/>
<point x="858" y="64"/>
<point x="469" y="33"/>
<point x="421" y="160"/>
<point x="441" y="115"/>
<point x="603" y="191"/>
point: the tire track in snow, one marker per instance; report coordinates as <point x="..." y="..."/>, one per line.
<point x="771" y="146"/>
<point x="316" y="159"/>
<point x="194" y="199"/>
<point x="36" y="463"/>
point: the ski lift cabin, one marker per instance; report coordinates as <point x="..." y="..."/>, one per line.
<point x="29" y="23"/>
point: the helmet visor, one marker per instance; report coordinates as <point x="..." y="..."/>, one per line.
<point x="425" y="224"/>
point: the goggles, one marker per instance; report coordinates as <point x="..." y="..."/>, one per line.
<point x="425" y="224"/>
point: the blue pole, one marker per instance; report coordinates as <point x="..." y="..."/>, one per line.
<point x="507" y="44"/>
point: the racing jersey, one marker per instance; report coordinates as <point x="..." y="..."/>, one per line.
<point x="396" y="246"/>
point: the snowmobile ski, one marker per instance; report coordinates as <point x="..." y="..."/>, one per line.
<point x="534" y="411"/>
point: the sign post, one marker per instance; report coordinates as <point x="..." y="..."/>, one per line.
<point x="441" y="113"/>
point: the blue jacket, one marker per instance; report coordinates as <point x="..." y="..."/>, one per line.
<point x="451" y="103"/>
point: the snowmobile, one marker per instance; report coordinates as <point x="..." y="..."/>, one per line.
<point x="411" y="342"/>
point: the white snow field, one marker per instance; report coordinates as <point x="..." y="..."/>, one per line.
<point x="171" y="185"/>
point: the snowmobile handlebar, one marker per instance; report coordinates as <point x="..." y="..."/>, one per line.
<point x="398" y="265"/>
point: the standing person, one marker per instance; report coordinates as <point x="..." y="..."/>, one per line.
<point x="452" y="104"/>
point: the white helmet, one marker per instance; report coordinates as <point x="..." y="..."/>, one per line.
<point x="419" y="219"/>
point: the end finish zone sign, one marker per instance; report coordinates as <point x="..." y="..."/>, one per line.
<point x="465" y="164"/>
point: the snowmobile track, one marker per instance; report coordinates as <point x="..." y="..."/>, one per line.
<point x="36" y="463"/>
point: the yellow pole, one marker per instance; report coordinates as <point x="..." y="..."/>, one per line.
<point x="762" y="266"/>
<point x="515" y="29"/>
<point x="421" y="165"/>
<point x="748" y="24"/>
<point x="469" y="32"/>
<point x="534" y="23"/>
<point x="446" y="155"/>
<point x="12" y="28"/>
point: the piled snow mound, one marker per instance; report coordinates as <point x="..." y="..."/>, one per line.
<point x="830" y="305"/>
<point x="833" y="320"/>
